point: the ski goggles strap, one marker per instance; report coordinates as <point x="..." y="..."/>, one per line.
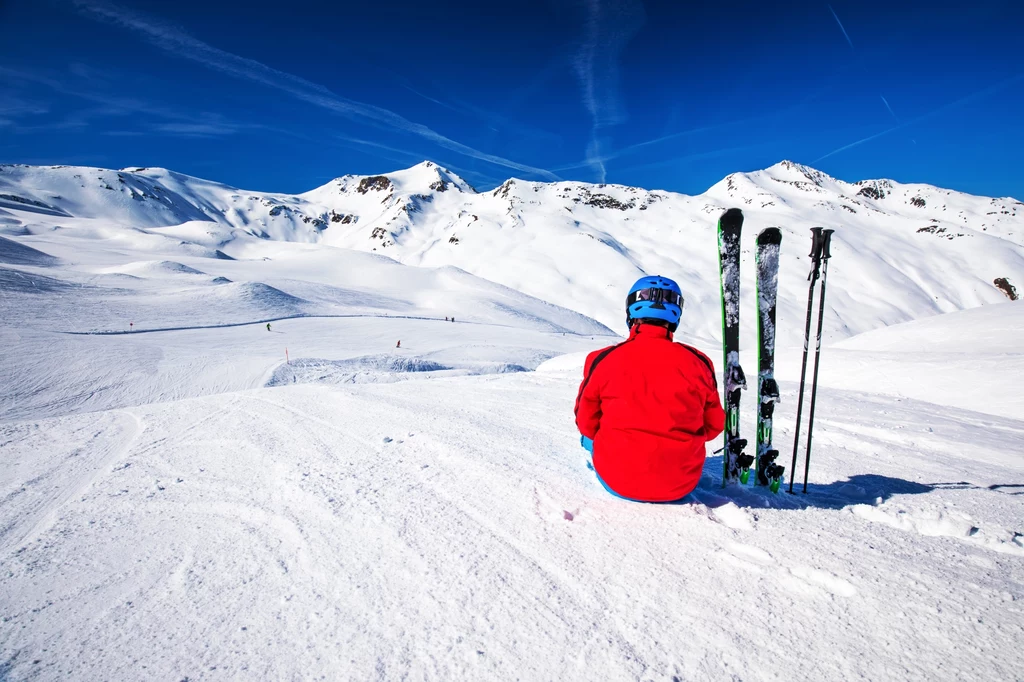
<point x="655" y="295"/>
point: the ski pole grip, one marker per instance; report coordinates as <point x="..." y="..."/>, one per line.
<point x="816" y="243"/>
<point x="826" y="242"/>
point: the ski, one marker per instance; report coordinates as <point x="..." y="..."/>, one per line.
<point x="769" y="242"/>
<point x="736" y="464"/>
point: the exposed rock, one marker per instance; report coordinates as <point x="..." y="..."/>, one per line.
<point x="377" y="183"/>
<point x="503" y="190"/>
<point x="319" y="222"/>
<point x="605" y="201"/>
<point x="874" y="189"/>
<point x="815" y="177"/>
<point x="1004" y="286"/>
<point x="918" y="201"/>
<point x="23" y="200"/>
<point x="941" y="231"/>
<point x="802" y="185"/>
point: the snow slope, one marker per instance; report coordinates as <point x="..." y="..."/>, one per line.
<point x="920" y="359"/>
<point x="187" y="495"/>
<point x="449" y="529"/>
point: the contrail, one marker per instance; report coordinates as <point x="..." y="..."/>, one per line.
<point x="181" y="44"/>
<point x="890" y="109"/>
<point x="934" y="112"/>
<point x="841" y="28"/>
<point x="609" y="27"/>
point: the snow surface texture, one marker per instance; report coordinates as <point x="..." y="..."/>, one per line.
<point x="178" y="501"/>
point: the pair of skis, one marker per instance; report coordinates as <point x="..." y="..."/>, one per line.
<point x="737" y="463"/>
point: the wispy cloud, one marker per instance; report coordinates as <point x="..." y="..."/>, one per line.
<point x="710" y="154"/>
<point x="405" y="156"/>
<point x="609" y="26"/>
<point x="14" y="107"/>
<point x="886" y="103"/>
<point x="841" y="27"/>
<point x="198" y="129"/>
<point x="495" y="121"/>
<point x="175" y="122"/>
<point x="658" y="141"/>
<point x="181" y="44"/>
<point x="931" y="114"/>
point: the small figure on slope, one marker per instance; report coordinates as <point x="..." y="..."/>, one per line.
<point x="646" y="406"/>
<point x="399" y="344"/>
<point x="268" y="326"/>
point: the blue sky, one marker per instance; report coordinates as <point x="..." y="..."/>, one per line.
<point x="285" y="96"/>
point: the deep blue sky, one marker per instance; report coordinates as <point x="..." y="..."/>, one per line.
<point x="287" y="95"/>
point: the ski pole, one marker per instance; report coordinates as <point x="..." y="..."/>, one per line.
<point x="813" y="277"/>
<point x="825" y="255"/>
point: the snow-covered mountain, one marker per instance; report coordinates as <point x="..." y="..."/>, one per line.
<point x="901" y="251"/>
<point x="212" y="439"/>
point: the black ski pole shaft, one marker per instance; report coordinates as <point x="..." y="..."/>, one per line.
<point x="825" y="255"/>
<point x="813" y="277"/>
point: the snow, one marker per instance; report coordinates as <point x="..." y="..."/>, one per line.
<point x="185" y="494"/>
<point x="572" y="243"/>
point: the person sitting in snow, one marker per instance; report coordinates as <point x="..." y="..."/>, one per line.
<point x="646" y="406"/>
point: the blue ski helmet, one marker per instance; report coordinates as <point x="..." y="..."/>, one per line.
<point x="654" y="298"/>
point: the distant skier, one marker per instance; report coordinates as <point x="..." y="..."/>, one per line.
<point x="445" y="318"/>
<point x="399" y="344"/>
<point x="646" y="406"/>
<point x="453" y="319"/>
<point x="268" y="326"/>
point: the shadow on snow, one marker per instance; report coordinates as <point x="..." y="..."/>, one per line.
<point x="857" y="489"/>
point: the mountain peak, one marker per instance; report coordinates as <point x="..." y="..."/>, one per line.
<point x="791" y="170"/>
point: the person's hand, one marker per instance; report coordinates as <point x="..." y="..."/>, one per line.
<point x="587" y="444"/>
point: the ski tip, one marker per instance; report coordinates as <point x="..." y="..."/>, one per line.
<point x="769" y="236"/>
<point x="733" y="217"/>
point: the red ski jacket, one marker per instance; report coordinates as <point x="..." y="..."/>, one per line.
<point x="649" y="404"/>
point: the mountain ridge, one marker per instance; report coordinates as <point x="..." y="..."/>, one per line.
<point x="579" y="244"/>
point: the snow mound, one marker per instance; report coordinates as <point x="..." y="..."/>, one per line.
<point x="376" y="369"/>
<point x="16" y="253"/>
<point x="15" y="281"/>
<point x="991" y="328"/>
<point x="260" y="296"/>
<point x="152" y="268"/>
<point x="367" y="369"/>
<point x="571" y="362"/>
